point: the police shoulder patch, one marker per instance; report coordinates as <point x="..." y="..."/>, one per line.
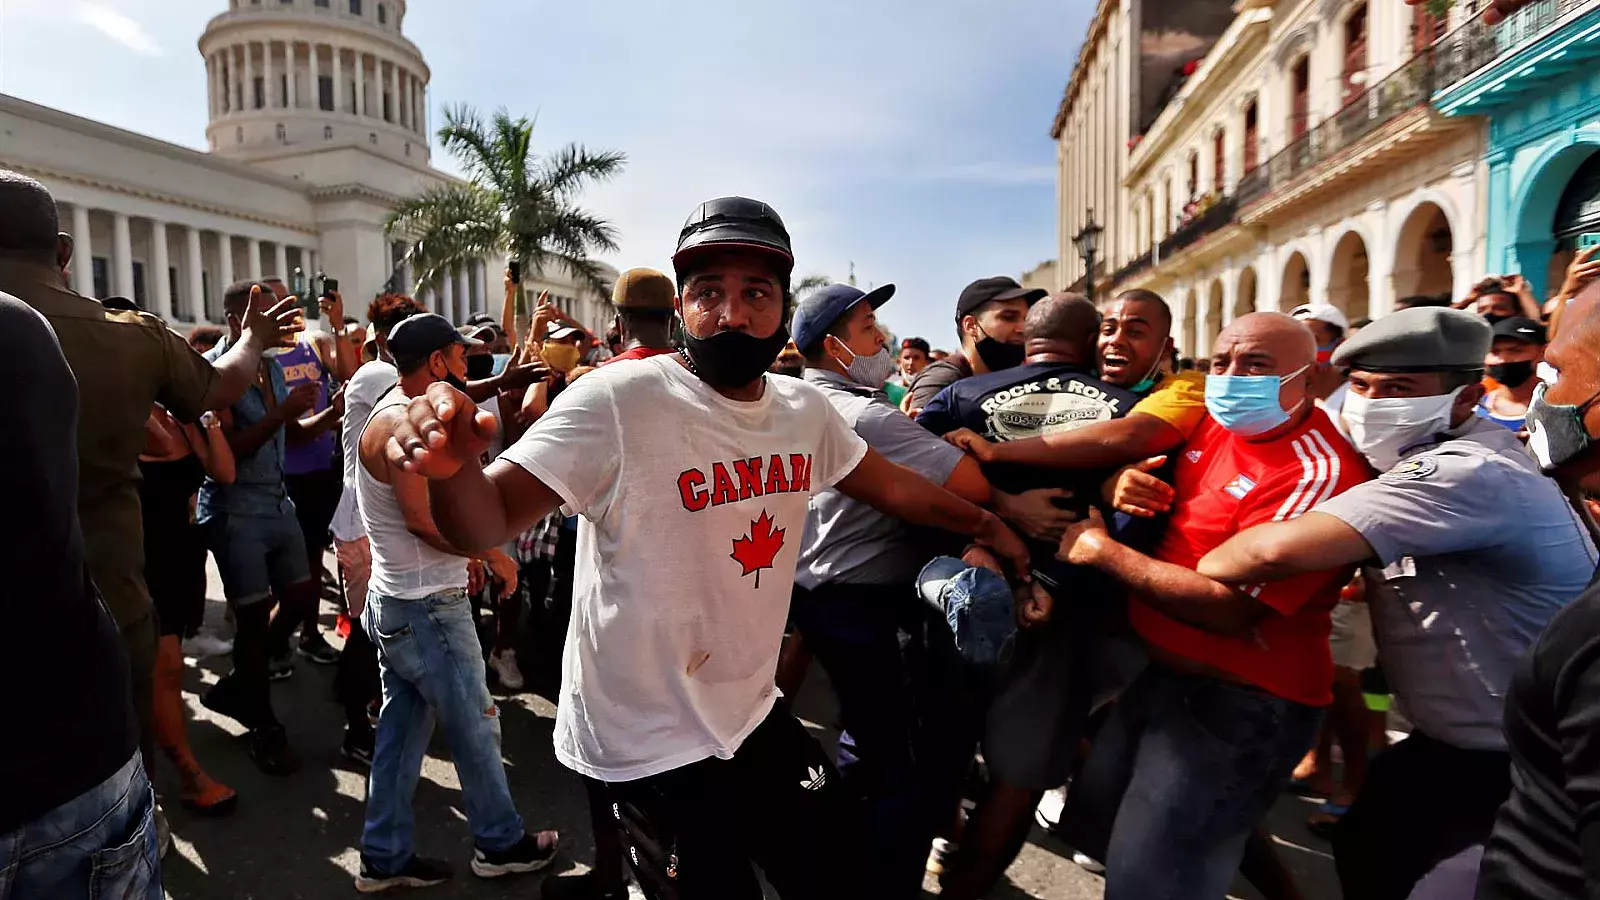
<point x="1412" y="469"/>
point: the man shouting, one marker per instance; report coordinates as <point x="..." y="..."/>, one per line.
<point x="691" y="473"/>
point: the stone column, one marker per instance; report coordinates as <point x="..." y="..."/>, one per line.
<point x="463" y="294"/>
<point x="480" y="275"/>
<point x="392" y="113"/>
<point x="403" y="101"/>
<point x="197" y="280"/>
<point x="308" y="262"/>
<point x="269" y="87"/>
<point x="211" y="87"/>
<point x="280" y="260"/>
<point x="224" y="276"/>
<point x="363" y="106"/>
<point x="289" y="66"/>
<point x="447" y="296"/>
<point x="419" y="107"/>
<point x="315" y="87"/>
<point x="338" y="79"/>
<point x="1230" y="292"/>
<point x="250" y="79"/>
<point x="1202" y="319"/>
<point x="121" y="256"/>
<point x="252" y="260"/>
<point x="82" y="252"/>
<point x="161" y="297"/>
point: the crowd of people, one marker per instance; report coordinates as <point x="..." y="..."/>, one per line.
<point x="1059" y="576"/>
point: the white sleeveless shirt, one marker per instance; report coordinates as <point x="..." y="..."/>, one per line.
<point x="403" y="565"/>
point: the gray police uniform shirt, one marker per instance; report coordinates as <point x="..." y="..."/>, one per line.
<point x="1476" y="551"/>
<point x="847" y="541"/>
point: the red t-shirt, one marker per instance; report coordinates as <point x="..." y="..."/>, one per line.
<point x="1225" y="484"/>
<point x="637" y="353"/>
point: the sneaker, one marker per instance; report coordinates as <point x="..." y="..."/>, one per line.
<point x="316" y="648"/>
<point x="532" y="853"/>
<point x="358" y="745"/>
<point x="1048" y="812"/>
<point x="504" y="664"/>
<point x="941" y="855"/>
<point x="203" y="646"/>
<point x="270" y="751"/>
<point x="1088" y="863"/>
<point x="418" y="872"/>
<point x="578" y="887"/>
<point x="280" y="668"/>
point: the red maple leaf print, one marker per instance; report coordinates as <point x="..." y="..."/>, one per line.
<point x="757" y="550"/>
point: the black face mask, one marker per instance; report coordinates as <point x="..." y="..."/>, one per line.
<point x="480" y="367"/>
<point x="998" y="355"/>
<point x="1514" y="374"/>
<point x="733" y="359"/>
<point x="455" y="382"/>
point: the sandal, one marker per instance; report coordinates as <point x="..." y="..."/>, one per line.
<point x="215" y="801"/>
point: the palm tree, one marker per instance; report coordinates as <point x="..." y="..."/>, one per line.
<point x="808" y="284"/>
<point x="514" y="203"/>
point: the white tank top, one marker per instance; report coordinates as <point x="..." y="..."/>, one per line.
<point x="403" y="565"/>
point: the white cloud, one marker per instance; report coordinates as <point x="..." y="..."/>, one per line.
<point x="117" y="26"/>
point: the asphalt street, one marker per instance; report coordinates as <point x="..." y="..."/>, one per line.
<point x="298" y="837"/>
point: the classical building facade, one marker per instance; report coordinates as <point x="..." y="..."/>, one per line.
<point x="1300" y="158"/>
<point x="1535" y="78"/>
<point x="318" y="126"/>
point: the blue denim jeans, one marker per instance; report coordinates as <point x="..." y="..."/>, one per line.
<point x="101" y="843"/>
<point x="1183" y="770"/>
<point x="431" y="665"/>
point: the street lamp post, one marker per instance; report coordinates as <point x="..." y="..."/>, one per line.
<point x="1087" y="240"/>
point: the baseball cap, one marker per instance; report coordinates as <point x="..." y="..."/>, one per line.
<point x="999" y="287"/>
<point x="560" y="332"/>
<point x="733" y="223"/>
<point x="1521" y="328"/>
<point x="1321" y="312"/>
<point x="414" y="337"/>
<point x="821" y="308"/>
<point x="643" y="289"/>
<point x="483" y="332"/>
<point x="481" y="319"/>
<point x="976" y="603"/>
<point x="916" y="344"/>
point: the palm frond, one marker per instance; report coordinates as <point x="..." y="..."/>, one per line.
<point x="567" y="171"/>
<point x="808" y="284"/>
<point x="448" y="226"/>
<point x="465" y="135"/>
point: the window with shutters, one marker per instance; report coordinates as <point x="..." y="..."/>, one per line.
<point x="1219" y="160"/>
<point x="1300" y="98"/>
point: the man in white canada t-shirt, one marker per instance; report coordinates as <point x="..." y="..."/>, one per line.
<point x="691" y="474"/>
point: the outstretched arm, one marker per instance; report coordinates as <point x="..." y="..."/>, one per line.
<point x="1277" y="550"/>
<point x="1178" y="593"/>
<point x="1102" y="445"/>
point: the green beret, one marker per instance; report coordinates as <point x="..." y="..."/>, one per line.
<point x="1420" y="339"/>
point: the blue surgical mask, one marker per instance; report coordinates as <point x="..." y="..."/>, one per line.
<point x="1247" y="405"/>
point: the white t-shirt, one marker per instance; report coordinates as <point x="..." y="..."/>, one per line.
<point x="360" y="393"/>
<point x="693" y="509"/>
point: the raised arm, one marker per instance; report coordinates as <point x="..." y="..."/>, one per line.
<point x="441" y="437"/>
<point x="267" y="323"/>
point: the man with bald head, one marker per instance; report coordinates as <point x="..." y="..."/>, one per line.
<point x="1045" y="687"/>
<point x="1198" y="747"/>
<point x="1468" y="550"/>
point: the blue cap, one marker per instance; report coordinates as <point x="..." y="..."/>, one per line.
<point x="976" y="602"/>
<point x="823" y="307"/>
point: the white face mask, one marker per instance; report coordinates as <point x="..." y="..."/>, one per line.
<point x="1383" y="430"/>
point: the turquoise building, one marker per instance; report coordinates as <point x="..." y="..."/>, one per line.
<point x="1536" y="77"/>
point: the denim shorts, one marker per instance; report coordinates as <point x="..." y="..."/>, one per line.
<point x="101" y="843"/>
<point x="258" y="555"/>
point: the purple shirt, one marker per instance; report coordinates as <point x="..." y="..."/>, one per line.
<point x="301" y="366"/>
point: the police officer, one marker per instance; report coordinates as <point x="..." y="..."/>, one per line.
<point x="1468" y="552"/>
<point x="905" y="748"/>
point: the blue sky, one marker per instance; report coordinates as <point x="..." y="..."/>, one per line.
<point x="907" y="136"/>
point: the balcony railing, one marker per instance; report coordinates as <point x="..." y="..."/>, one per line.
<point x="1138" y="264"/>
<point x="1407" y="88"/>
<point x="1215" y="216"/>
<point x="1475" y="45"/>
